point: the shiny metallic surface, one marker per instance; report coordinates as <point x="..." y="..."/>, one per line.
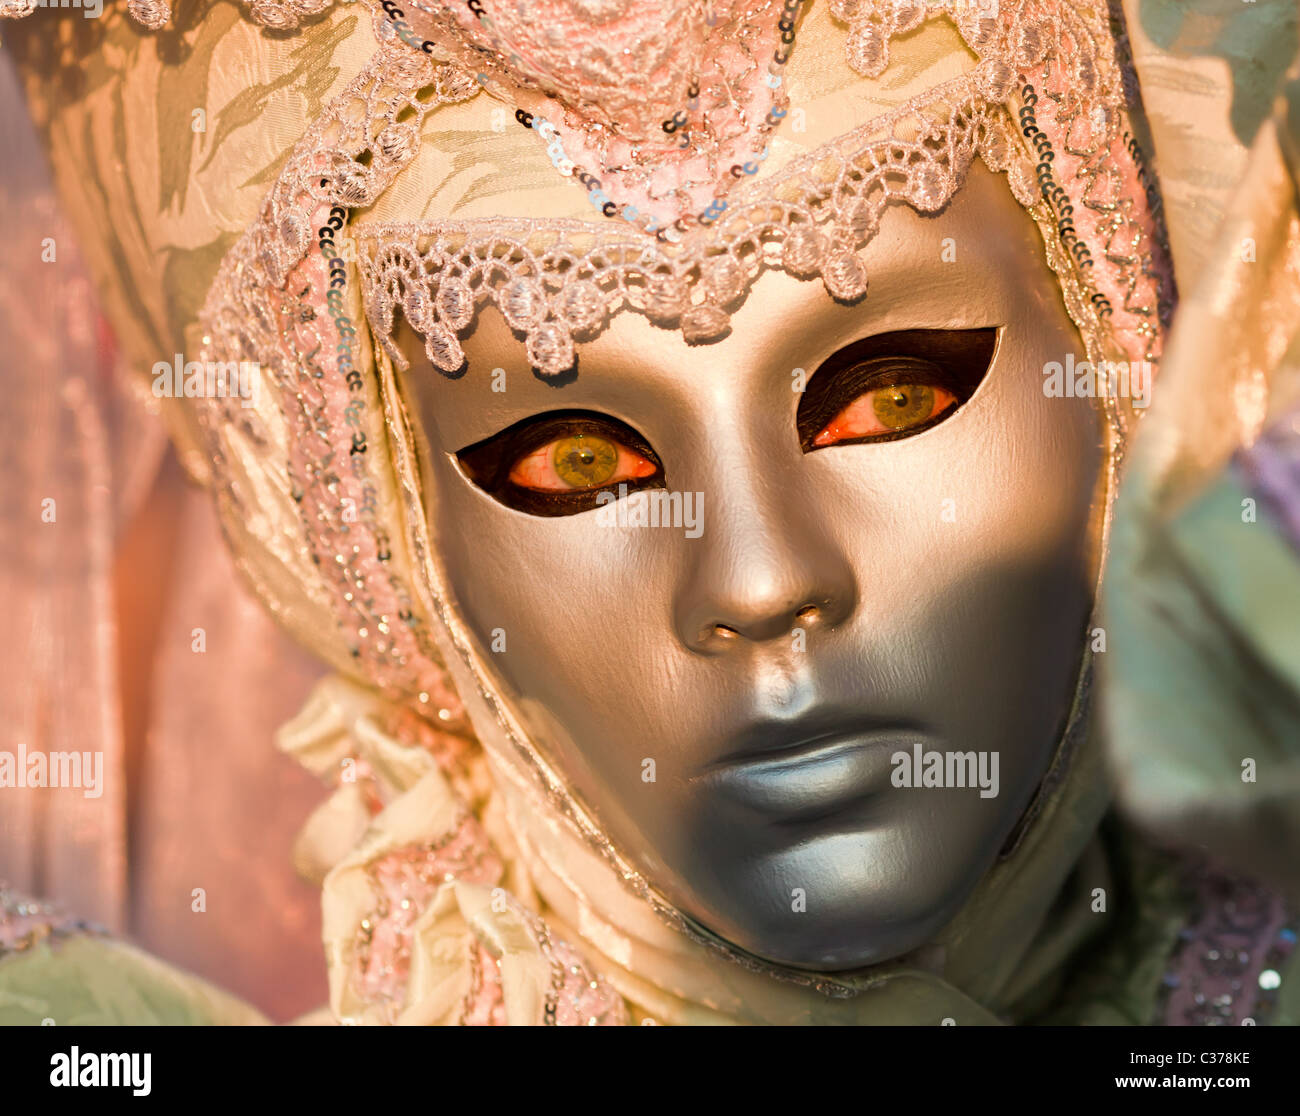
<point x="837" y="607"/>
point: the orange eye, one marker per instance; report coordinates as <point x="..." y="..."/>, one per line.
<point x="895" y="409"/>
<point x="579" y="462"/>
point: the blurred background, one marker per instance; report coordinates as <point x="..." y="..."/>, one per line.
<point x="112" y="589"/>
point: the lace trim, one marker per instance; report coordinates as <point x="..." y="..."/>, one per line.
<point x="560" y="281"/>
<point x="282" y="301"/>
<point x="1045" y="104"/>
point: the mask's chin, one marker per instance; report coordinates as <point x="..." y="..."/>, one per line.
<point x="838" y="944"/>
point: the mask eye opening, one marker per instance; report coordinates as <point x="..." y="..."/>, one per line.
<point x="956" y="361"/>
<point x="488" y="464"/>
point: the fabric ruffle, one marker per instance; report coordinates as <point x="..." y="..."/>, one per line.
<point x="427" y="918"/>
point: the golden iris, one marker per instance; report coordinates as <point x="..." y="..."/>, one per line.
<point x="903" y="405"/>
<point x="584" y="461"/>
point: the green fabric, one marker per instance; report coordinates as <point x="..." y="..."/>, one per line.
<point x="1202" y="681"/>
<point x="88" y="980"/>
<point x="1256" y="38"/>
<point x="1118" y="981"/>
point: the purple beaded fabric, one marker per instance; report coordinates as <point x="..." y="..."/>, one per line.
<point x="1227" y="967"/>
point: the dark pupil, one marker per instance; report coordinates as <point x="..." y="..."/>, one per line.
<point x="582" y="456"/>
<point x="900" y="399"/>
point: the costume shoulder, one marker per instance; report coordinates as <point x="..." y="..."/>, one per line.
<point x="56" y="969"/>
<point x="1194" y="943"/>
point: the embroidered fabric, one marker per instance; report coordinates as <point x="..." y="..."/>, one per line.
<point x="423" y="917"/>
<point x="661" y="100"/>
<point x="269" y="306"/>
<point x="276" y="15"/>
<point x="1226" y="969"/>
<point x="25" y="923"/>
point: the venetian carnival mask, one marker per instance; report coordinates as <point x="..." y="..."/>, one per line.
<point x="883" y="545"/>
<point x="894" y="559"/>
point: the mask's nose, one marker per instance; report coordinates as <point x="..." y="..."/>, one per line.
<point x="763" y="565"/>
